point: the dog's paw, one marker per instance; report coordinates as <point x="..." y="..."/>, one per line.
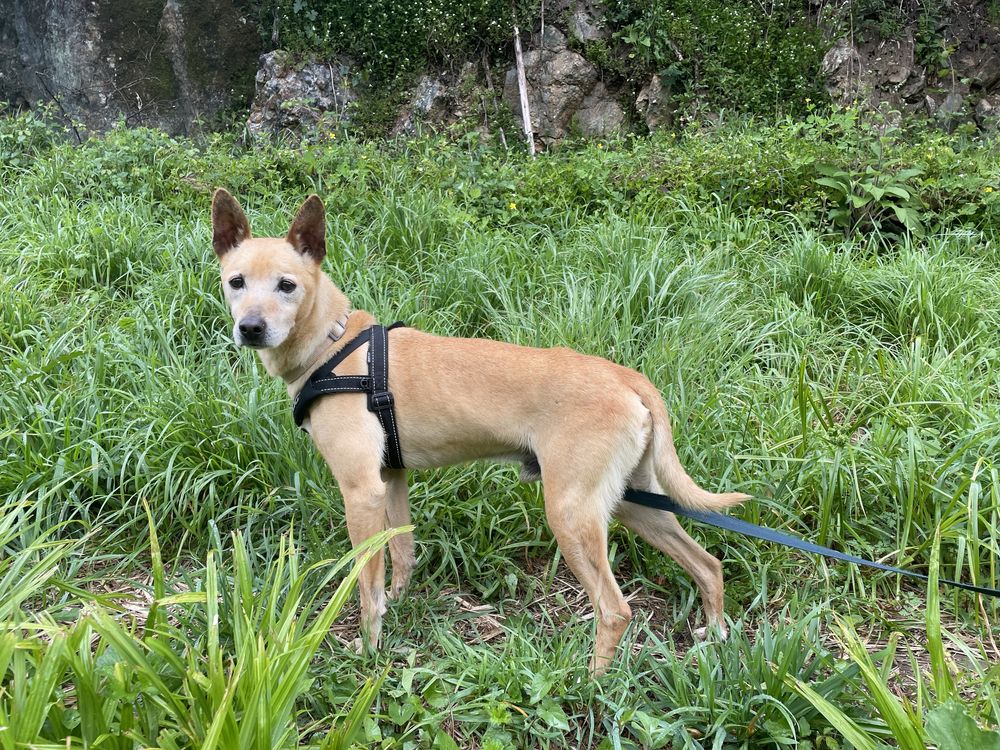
<point x="718" y="631"/>
<point x="398" y="589"/>
<point x="358" y="645"/>
<point x="402" y="571"/>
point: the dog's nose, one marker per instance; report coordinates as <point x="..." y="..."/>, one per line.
<point x="252" y="328"/>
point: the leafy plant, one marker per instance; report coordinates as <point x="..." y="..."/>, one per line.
<point x="862" y="201"/>
<point x="884" y="19"/>
<point x="740" y="688"/>
<point x="211" y="667"/>
<point x="399" y="37"/>
<point x="734" y="55"/>
<point x="30" y="559"/>
<point x="950" y="727"/>
<point x="26" y="136"/>
<point x="931" y="47"/>
<point x="948" y="724"/>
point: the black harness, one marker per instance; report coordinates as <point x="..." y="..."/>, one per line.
<point x="324" y="382"/>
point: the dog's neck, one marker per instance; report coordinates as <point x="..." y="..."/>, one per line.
<point x="318" y="328"/>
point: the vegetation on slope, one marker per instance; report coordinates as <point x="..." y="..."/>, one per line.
<point x="747" y="56"/>
<point x="817" y="301"/>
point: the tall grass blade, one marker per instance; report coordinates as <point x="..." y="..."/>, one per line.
<point x="343" y="736"/>
<point x="837" y="718"/>
<point x="944" y="683"/>
<point x="906" y="728"/>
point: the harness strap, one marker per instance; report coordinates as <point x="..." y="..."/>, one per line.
<point x="324" y="382"/>
<point x="380" y="400"/>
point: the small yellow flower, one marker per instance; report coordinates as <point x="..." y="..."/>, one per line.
<point x="512" y="206"/>
<point x="600" y="145"/>
<point x="989" y="189"/>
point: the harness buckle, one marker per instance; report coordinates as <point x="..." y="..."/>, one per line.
<point x="380" y="401"/>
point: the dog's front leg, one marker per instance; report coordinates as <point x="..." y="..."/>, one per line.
<point x="365" y="506"/>
<point x="397" y="513"/>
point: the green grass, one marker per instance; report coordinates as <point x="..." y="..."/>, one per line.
<point x="847" y="381"/>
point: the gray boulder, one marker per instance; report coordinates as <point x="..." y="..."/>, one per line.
<point x="564" y="91"/>
<point x="986" y="70"/>
<point x="599" y="114"/>
<point x="584" y="19"/>
<point x="292" y="97"/>
<point x="438" y="100"/>
<point x="987" y="112"/>
<point x="843" y="71"/>
<point x="653" y="104"/>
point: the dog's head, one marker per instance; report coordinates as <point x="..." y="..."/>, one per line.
<point x="267" y="280"/>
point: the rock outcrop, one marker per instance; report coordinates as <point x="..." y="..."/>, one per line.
<point x="654" y="106"/>
<point x="173" y="64"/>
<point x="178" y="64"/>
<point x="438" y="101"/>
<point x="565" y="91"/>
<point x="294" y="97"/>
<point x="961" y="80"/>
<point x="584" y="19"/>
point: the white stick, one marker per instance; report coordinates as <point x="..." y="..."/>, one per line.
<point x="522" y="87"/>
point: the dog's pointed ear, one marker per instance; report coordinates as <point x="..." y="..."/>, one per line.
<point x="229" y="224"/>
<point x="308" y="232"/>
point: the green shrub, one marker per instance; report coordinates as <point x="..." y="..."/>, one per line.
<point x="393" y="38"/>
<point x="26" y="136"/>
<point x="224" y="665"/>
<point x="881" y="19"/>
<point x="733" y="55"/>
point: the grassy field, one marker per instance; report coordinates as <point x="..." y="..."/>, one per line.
<point x="817" y="301"/>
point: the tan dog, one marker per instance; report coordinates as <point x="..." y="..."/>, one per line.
<point x="588" y="428"/>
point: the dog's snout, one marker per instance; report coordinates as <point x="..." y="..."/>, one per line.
<point x="252" y="328"/>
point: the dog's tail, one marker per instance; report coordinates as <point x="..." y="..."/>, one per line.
<point x="671" y="475"/>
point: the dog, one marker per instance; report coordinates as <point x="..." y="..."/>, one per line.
<point x="586" y="427"/>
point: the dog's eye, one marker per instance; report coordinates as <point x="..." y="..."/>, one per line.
<point x="236" y="282"/>
<point x="286" y="286"/>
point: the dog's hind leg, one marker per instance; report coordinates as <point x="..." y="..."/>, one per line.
<point x="585" y="465"/>
<point x="580" y="495"/>
<point x="581" y="531"/>
<point x="397" y="513"/>
<point x="662" y="530"/>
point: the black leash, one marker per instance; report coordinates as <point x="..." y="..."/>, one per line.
<point x="730" y="523"/>
<point x="376" y="384"/>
